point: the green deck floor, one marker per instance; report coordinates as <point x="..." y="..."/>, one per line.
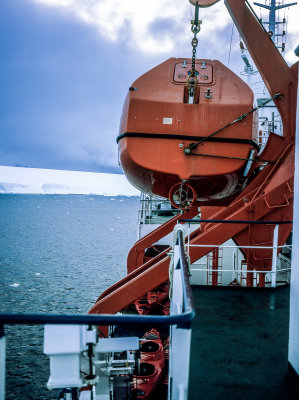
<point x="239" y="344"/>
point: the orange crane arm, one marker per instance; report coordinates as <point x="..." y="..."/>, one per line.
<point x="277" y="75"/>
<point x="135" y="256"/>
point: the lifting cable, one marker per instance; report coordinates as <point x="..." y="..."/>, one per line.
<point x="188" y="149"/>
<point x="192" y="81"/>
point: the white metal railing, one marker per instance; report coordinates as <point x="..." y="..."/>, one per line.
<point x="181" y="302"/>
<point x="2" y="363"/>
<point x="274" y="268"/>
<point x="269" y="121"/>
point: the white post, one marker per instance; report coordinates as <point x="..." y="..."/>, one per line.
<point x="274" y="257"/>
<point x="294" y="296"/>
<point x="188" y="239"/>
<point x="179" y="366"/>
<point x="2" y="363"/>
<point x="180" y="337"/>
<point x="177" y="290"/>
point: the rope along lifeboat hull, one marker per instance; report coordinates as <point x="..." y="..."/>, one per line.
<point x="158" y="124"/>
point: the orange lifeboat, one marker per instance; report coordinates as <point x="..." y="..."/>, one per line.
<point x="152" y="361"/>
<point x="168" y="140"/>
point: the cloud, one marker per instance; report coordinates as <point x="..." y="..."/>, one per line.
<point x="67" y="65"/>
<point x="159" y="26"/>
<point x="142" y="20"/>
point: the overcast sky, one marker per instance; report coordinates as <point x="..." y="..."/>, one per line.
<point x="66" y="66"/>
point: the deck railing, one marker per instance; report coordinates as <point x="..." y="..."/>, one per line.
<point x="179" y="322"/>
<point x="182" y="302"/>
<point x="275" y="247"/>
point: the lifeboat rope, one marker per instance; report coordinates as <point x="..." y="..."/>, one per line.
<point x="186" y="137"/>
<point x="188" y="149"/>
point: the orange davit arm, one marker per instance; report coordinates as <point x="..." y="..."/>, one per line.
<point x="277" y="75"/>
<point x="135" y="256"/>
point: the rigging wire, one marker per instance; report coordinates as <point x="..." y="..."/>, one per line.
<point x="261" y="17"/>
<point x="254" y="14"/>
<point x="230" y="45"/>
<point x="190" y="7"/>
<point x="286" y="17"/>
<point x="188" y="149"/>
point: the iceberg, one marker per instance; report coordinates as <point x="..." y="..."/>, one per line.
<point x="48" y="181"/>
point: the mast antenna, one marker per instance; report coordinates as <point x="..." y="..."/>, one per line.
<point x="273" y="23"/>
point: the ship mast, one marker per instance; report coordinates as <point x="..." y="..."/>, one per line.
<point x="274" y="25"/>
<point x="276" y="29"/>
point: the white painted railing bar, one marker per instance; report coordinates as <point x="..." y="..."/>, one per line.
<point x="238" y="270"/>
<point x="274" y="257"/>
<point x="236" y="247"/>
<point x="283" y="269"/>
<point x="180" y="334"/>
<point x="2" y="363"/>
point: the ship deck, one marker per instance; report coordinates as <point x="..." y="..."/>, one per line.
<point x="239" y="344"/>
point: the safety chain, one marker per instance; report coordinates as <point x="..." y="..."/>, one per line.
<point x="188" y="149"/>
<point x="192" y="80"/>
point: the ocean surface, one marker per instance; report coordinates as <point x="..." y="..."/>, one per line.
<point x="57" y="254"/>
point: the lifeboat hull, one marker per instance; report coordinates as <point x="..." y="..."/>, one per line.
<point x="157" y="126"/>
<point x="152" y="361"/>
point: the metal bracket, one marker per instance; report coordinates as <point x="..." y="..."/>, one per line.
<point x="208" y="94"/>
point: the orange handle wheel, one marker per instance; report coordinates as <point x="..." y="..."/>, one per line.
<point x="182" y="196"/>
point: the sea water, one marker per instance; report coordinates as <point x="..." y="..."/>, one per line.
<point x="57" y="255"/>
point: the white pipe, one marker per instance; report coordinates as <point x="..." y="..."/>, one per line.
<point x="237" y="247"/>
<point x="239" y="270"/>
<point x="2" y="364"/>
<point x="294" y="292"/>
<point x="274" y="256"/>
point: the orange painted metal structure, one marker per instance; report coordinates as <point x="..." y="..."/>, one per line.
<point x="268" y="195"/>
<point x="158" y="124"/>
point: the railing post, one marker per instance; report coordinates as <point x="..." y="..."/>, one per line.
<point x="177" y="292"/>
<point x="2" y="363"/>
<point x="188" y="242"/>
<point x="180" y="334"/>
<point x="274" y="256"/>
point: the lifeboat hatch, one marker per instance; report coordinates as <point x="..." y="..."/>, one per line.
<point x="204" y="69"/>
